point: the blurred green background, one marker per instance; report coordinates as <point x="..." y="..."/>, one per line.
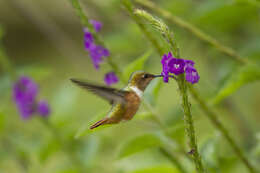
<point x="44" y="40"/>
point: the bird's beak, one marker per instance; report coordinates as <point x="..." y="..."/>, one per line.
<point x="158" y="75"/>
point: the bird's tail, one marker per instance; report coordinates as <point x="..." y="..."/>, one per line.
<point x="99" y="123"/>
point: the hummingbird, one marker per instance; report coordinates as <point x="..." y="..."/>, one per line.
<point x="125" y="102"/>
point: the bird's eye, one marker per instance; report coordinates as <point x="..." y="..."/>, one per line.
<point x="145" y="76"/>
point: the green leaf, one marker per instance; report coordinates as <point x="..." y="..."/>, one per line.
<point x="157" y="169"/>
<point x="138" y="64"/>
<point x="209" y="152"/>
<point x="239" y="78"/>
<point x="140" y="143"/>
<point x="143" y="116"/>
<point x="85" y="130"/>
<point x="177" y="132"/>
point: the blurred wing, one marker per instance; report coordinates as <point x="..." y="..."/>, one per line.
<point x="111" y="94"/>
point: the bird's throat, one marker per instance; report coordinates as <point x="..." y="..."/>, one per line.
<point x="137" y="91"/>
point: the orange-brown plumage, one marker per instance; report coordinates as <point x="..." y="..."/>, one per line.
<point x="132" y="106"/>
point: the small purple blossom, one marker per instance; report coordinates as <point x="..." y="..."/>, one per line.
<point x="96" y="52"/>
<point x="192" y="75"/>
<point x="165" y="77"/>
<point x="188" y="63"/>
<point x="165" y="61"/>
<point x="96" y="24"/>
<point x="178" y="66"/>
<point x="88" y="39"/>
<point x="25" y="91"/>
<point x="110" y="78"/>
<point x="43" y="108"/>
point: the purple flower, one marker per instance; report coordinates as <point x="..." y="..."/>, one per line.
<point x="43" y="108"/>
<point x="110" y="78"/>
<point x="192" y="75"/>
<point x="96" y="52"/>
<point x="165" y="77"/>
<point x="105" y="52"/>
<point x="26" y="109"/>
<point x="165" y="61"/>
<point x="189" y="63"/>
<point x="25" y="91"/>
<point x="176" y="66"/>
<point x="88" y="39"/>
<point x="96" y="24"/>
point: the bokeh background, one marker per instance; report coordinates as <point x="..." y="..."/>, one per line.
<point x="44" y="40"/>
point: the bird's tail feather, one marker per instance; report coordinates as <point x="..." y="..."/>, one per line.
<point x="99" y="123"/>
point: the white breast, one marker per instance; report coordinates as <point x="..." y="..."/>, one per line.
<point x="137" y="91"/>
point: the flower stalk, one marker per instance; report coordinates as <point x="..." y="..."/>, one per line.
<point x="86" y="23"/>
<point x="183" y="86"/>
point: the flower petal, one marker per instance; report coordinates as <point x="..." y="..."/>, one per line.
<point x="25" y="91"/>
<point x="176" y="66"/>
<point x="110" y="78"/>
<point x="192" y="75"/>
<point x="96" y="24"/>
<point x="43" y="108"/>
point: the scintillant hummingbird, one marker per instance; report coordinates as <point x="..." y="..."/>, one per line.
<point x="125" y="102"/>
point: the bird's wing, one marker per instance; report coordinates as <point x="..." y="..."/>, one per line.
<point x="112" y="95"/>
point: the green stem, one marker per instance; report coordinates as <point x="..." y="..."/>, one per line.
<point x="85" y="22"/>
<point x="189" y="124"/>
<point x="213" y="117"/>
<point x="194" y="30"/>
<point x="183" y="86"/>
